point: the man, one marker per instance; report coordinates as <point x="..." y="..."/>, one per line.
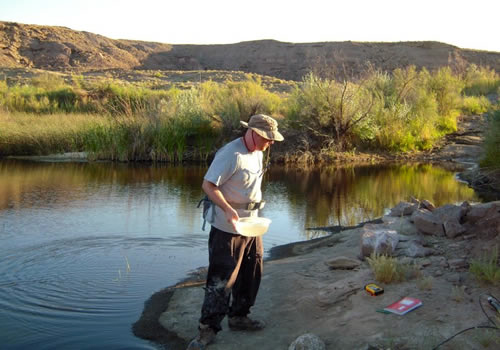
<point x="232" y="183"/>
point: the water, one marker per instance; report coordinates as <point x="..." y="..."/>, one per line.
<point x="83" y="246"/>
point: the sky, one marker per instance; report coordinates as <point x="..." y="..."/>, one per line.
<point x="469" y="24"/>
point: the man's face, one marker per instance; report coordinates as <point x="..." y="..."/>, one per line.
<point x="261" y="143"/>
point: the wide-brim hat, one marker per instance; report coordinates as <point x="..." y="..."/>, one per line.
<point x="265" y="126"/>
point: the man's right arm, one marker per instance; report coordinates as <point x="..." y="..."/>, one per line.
<point x="216" y="196"/>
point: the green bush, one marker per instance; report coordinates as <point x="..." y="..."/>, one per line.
<point x="447" y="88"/>
<point x="335" y="113"/>
<point x="406" y="115"/>
<point x="481" y="81"/>
<point x="473" y="105"/>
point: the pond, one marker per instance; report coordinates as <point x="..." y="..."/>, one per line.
<point x="84" y="245"/>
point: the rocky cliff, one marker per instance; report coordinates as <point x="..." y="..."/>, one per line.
<point x="63" y="49"/>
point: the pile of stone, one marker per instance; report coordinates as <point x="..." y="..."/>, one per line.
<point x="482" y="220"/>
<point x="451" y="221"/>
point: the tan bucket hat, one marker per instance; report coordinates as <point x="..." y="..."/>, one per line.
<point x="265" y="126"/>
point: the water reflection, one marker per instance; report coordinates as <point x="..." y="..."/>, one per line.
<point x="350" y="195"/>
<point x="24" y="184"/>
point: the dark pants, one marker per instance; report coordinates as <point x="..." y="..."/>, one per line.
<point x="235" y="269"/>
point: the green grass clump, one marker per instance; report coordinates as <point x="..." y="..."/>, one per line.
<point x="387" y="269"/>
<point x="486" y="269"/>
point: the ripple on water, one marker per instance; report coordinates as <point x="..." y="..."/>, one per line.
<point x="81" y="283"/>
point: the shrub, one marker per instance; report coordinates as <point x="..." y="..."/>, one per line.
<point x="473" y="105"/>
<point x="335" y="113"/>
<point x="447" y="88"/>
<point x="481" y="81"/>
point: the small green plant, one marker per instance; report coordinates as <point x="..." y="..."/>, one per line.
<point x="386" y="268"/>
<point x="425" y="282"/>
<point x="488" y="338"/>
<point x="486" y="268"/>
<point x="458" y="293"/>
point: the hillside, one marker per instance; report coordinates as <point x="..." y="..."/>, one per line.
<point x="63" y="49"/>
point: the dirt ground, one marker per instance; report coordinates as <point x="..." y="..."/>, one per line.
<point x="301" y="294"/>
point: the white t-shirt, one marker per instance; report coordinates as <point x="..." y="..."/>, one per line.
<point x="238" y="175"/>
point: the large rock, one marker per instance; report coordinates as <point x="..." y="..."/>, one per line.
<point x="379" y="240"/>
<point x="487" y="227"/>
<point x="307" y="341"/>
<point x="449" y="213"/>
<point x="427" y="223"/>
<point x="404" y="208"/>
<point x="445" y="220"/>
<point x="427" y="205"/>
<point x="415" y="249"/>
<point x="453" y="228"/>
<point x="479" y="211"/>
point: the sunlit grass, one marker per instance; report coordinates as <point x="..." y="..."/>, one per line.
<point x="142" y="119"/>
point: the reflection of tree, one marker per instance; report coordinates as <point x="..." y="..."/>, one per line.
<point x="319" y="197"/>
<point x="66" y="182"/>
<point x="348" y="196"/>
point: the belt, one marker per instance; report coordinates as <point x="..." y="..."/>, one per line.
<point x="248" y="206"/>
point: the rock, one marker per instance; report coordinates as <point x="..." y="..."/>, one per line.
<point x="488" y="226"/>
<point x="414" y="200"/>
<point x="403" y="208"/>
<point x="307" y="341"/>
<point x="427" y="223"/>
<point x="413" y="248"/>
<point x="425" y="262"/>
<point x="401" y="224"/>
<point x="343" y="263"/>
<point x="454" y="278"/>
<point x="379" y="240"/>
<point x="369" y="347"/>
<point x="449" y="212"/>
<point x="427" y="205"/>
<point x="453" y="229"/>
<point x="479" y="211"/>
<point x="457" y="263"/>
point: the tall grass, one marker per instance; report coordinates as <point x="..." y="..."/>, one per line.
<point x="402" y="111"/>
<point x="126" y="123"/>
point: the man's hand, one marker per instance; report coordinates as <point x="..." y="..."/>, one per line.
<point x="231" y="216"/>
<point x="217" y="197"/>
